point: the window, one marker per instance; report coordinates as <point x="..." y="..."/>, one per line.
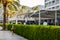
<point x="49" y="8"/>
<point x="57" y="7"/>
<point x="57" y="1"/>
<point x="53" y="2"/>
<point x="53" y="7"/>
<point x="46" y="4"/>
<point x="49" y="3"/>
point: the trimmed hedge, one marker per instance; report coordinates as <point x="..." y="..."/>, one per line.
<point x="35" y="32"/>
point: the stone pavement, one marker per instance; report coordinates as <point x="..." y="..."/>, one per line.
<point x="7" y="35"/>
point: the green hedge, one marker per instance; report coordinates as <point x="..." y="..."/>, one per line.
<point x="35" y="32"/>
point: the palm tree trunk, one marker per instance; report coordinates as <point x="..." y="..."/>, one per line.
<point x="4" y="16"/>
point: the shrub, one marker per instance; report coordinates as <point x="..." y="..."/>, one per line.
<point x="35" y="32"/>
<point x="1" y="24"/>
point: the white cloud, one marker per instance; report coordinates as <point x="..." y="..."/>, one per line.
<point x="31" y="3"/>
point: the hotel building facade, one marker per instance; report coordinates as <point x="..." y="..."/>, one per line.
<point x="52" y="4"/>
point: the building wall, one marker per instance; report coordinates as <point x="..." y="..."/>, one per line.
<point x="52" y="4"/>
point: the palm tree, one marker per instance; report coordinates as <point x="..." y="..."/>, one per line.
<point x="29" y="11"/>
<point x="36" y="8"/>
<point x="24" y="9"/>
<point x="5" y="3"/>
<point x="11" y="9"/>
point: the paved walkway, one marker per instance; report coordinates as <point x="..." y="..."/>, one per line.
<point x="7" y="35"/>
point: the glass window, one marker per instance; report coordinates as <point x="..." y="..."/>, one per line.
<point x="53" y="2"/>
<point x="57" y="1"/>
<point x="53" y="7"/>
<point x="57" y="7"/>
<point x="49" y="3"/>
<point x="46" y="4"/>
<point x="49" y="8"/>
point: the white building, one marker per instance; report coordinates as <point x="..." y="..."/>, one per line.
<point x="52" y="4"/>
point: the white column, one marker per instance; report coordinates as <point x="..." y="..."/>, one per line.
<point x="17" y="18"/>
<point x="16" y="21"/>
<point x="55" y="18"/>
<point x="39" y="17"/>
<point x="26" y="19"/>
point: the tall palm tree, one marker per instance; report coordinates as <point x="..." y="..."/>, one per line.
<point x="5" y="3"/>
<point x="12" y="8"/>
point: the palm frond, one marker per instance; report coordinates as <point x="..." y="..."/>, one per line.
<point x="12" y="7"/>
<point x="29" y="11"/>
<point x="36" y="8"/>
<point x="16" y="3"/>
<point x="15" y="7"/>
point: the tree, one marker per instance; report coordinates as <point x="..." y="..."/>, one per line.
<point x="36" y="8"/>
<point x="12" y="8"/>
<point x="23" y="10"/>
<point x="5" y="3"/>
<point x="29" y="11"/>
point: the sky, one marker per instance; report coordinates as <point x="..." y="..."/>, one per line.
<point x="31" y="3"/>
